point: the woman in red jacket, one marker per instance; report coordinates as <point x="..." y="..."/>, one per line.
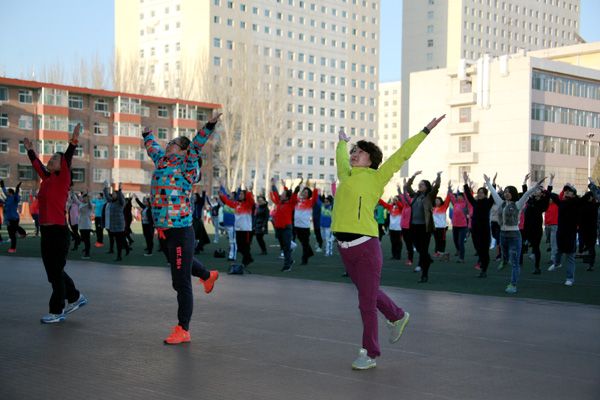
<point x="52" y="198"/>
<point x="395" y="209"/>
<point x="282" y="221"/>
<point x="243" y="207"/>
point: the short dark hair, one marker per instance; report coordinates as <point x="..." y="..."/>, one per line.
<point x="375" y="154"/>
<point x="485" y="191"/>
<point x="185" y="142"/>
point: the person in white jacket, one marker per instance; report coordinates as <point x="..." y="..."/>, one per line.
<point x="510" y="208"/>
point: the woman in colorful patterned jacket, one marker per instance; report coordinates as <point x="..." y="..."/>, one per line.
<point x="176" y="170"/>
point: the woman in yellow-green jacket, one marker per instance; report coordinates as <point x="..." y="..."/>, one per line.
<point x="361" y="185"/>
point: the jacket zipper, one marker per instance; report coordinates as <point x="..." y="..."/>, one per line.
<point x="359" y="205"/>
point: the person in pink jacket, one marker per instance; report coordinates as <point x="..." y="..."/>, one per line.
<point x="243" y="207"/>
<point x="406" y="202"/>
<point x="460" y="225"/>
<point x="440" y="210"/>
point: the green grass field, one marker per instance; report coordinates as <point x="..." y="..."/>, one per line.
<point x="443" y="276"/>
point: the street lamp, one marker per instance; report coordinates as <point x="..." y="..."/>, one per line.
<point x="589" y="136"/>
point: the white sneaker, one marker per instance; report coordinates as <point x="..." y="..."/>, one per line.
<point x="417" y="269"/>
<point x="569" y="282"/>
<point x="554" y="267"/>
<point x="52" y="318"/>
<point x="397" y="328"/>
<point x="281" y="256"/>
<point x="80" y="302"/>
<point x="293" y="245"/>
<point x="319" y="250"/>
<point x="532" y="256"/>
<point x="363" y="361"/>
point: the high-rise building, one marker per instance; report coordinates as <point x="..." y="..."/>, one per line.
<point x="389" y="117"/>
<point x="110" y="144"/>
<point x="326" y="52"/>
<point x="535" y="112"/>
<point x="456" y="33"/>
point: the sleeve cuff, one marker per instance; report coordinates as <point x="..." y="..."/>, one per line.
<point x="426" y="130"/>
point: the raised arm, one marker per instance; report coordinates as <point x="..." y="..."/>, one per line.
<point x="35" y="161"/>
<point x="204" y="134"/>
<point x="3" y="187"/>
<point x="107" y="195"/>
<point x="497" y="199"/>
<point x="385" y="205"/>
<point x="139" y="203"/>
<point x="468" y="194"/>
<point x="342" y="159"/>
<point x="72" y="145"/>
<point x="396" y="160"/>
<point x="155" y="152"/>
<point x="521" y="202"/>
<point x="408" y="185"/>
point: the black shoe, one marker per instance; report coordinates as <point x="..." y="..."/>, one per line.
<point x="482" y="274"/>
<point x="288" y="268"/>
<point x="345" y="275"/>
<point x="118" y="259"/>
<point x="537" y="271"/>
<point x="423" y="279"/>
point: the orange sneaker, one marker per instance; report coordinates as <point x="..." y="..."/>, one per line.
<point x="209" y="284"/>
<point x="12" y="251"/>
<point x="98" y="244"/>
<point x="178" y="335"/>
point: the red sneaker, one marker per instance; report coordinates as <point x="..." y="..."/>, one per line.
<point x="478" y="267"/>
<point x="12" y="251"/>
<point x="408" y="262"/>
<point x="209" y="284"/>
<point x="98" y="244"/>
<point x="178" y="335"/>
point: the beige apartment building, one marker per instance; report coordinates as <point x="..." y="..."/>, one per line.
<point x="439" y="34"/>
<point x="110" y="145"/>
<point x="390" y="94"/>
<point x="326" y="52"/>
<point x="527" y="112"/>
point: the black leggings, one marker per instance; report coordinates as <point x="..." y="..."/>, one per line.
<point x="396" y="241"/>
<point x="179" y="250"/>
<point x="75" y="235"/>
<point x="85" y="238"/>
<point x="148" y="230"/>
<point x="481" y="241"/>
<point x="244" y="240"/>
<point x="421" y="239"/>
<point x="55" y="246"/>
<point x="12" y="228"/>
<point x="121" y="243"/>
<point x="439" y="236"/>
<point x="99" y="230"/>
<point x="534" y="238"/>
<point x="304" y="237"/>
<point x="260" y="239"/>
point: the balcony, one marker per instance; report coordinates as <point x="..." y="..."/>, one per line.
<point x="463" y="158"/>
<point x="462" y="99"/>
<point x="461" y="128"/>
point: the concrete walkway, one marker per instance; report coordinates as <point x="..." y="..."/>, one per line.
<point x="258" y="337"/>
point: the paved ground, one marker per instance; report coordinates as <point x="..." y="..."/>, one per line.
<point x="259" y="337"/>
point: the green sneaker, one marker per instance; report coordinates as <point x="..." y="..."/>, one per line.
<point x="511" y="289"/>
<point x="397" y="328"/>
<point x="363" y="361"/>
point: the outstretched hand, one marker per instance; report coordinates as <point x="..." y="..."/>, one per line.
<point x="434" y="122"/>
<point x="486" y="178"/>
<point x="75" y="135"/>
<point x="466" y="177"/>
<point x="342" y="135"/>
<point x="215" y="118"/>
<point x="28" y="144"/>
<point x="526" y="178"/>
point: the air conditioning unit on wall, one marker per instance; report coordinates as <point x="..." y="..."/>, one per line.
<point x="106" y="113"/>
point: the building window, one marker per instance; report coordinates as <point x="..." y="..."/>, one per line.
<point x="429" y="42"/>
<point x="101" y="105"/>
<point x="75" y="102"/>
<point x="162" y="133"/>
<point x="466" y="86"/>
<point x="462" y="169"/>
<point x="101" y="175"/>
<point x="464" y="144"/>
<point x="3" y="94"/>
<point x="100" y="129"/>
<point x="78" y="174"/>
<point x="25" y="172"/>
<point x="55" y="97"/>
<point x="163" y="112"/>
<point x="464" y="114"/>
<point x="4" y="120"/>
<point x="3" y="146"/>
<point x="4" y="171"/>
<point x="25" y="96"/>
<point x="101" y="152"/>
<point x="26" y="122"/>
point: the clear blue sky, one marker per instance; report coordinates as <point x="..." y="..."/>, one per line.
<point x="42" y="32"/>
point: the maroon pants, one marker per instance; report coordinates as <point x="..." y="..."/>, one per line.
<point x="363" y="264"/>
